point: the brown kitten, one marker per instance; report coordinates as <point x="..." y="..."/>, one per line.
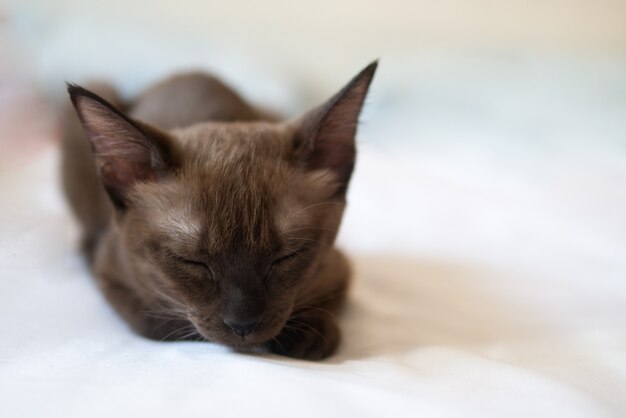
<point x="205" y="218"/>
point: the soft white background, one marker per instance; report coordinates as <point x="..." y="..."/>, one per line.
<point x="487" y="217"/>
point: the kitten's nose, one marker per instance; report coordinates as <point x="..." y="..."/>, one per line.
<point x="241" y="328"/>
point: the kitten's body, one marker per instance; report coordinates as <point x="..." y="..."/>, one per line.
<point x="215" y="220"/>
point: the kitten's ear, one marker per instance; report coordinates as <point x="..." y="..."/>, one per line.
<point x="125" y="151"/>
<point x="325" y="137"/>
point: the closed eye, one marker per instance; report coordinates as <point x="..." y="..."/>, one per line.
<point x="285" y="257"/>
<point x="194" y="263"/>
<point x="198" y="265"/>
<point x="190" y="262"/>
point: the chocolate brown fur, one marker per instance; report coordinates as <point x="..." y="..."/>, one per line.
<point x="205" y="218"/>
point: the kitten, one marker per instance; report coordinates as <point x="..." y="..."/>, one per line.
<point x="206" y="218"/>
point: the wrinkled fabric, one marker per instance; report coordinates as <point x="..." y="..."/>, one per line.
<point x="483" y="288"/>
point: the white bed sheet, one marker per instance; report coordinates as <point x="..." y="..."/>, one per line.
<point x="487" y="225"/>
<point x="480" y="290"/>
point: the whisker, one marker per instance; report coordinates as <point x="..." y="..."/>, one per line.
<point x="164" y="314"/>
<point x="277" y="341"/>
<point x="158" y="292"/>
<point x="311" y="328"/>
<point x="297" y="253"/>
<point x="309" y="227"/>
<point x="313" y="206"/>
<point x="306" y="309"/>
<point x="163" y="323"/>
<point x="181" y="329"/>
<point x="315" y="298"/>
<point x="308" y="239"/>
<point x="192" y="333"/>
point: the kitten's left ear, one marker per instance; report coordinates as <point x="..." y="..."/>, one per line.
<point x="325" y="137"/>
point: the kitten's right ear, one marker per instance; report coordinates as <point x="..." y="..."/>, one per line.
<point x="125" y="151"/>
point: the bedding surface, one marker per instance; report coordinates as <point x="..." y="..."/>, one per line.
<point x="490" y="278"/>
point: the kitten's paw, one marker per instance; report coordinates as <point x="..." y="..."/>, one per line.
<point x="310" y="338"/>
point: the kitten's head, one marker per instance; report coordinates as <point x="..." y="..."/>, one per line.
<point x="227" y="222"/>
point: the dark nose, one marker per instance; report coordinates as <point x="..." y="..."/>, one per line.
<point x="239" y="327"/>
<point x="244" y="307"/>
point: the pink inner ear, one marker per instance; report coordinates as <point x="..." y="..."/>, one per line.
<point x="122" y="173"/>
<point x="112" y="135"/>
<point x="124" y="153"/>
<point x="334" y="143"/>
<point x="129" y="146"/>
